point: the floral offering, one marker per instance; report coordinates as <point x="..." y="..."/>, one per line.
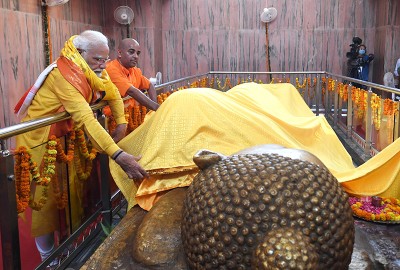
<point x="376" y="208"/>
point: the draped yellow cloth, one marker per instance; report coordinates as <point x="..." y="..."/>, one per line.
<point x="226" y="122"/>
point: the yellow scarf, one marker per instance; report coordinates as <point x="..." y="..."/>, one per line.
<point x="97" y="84"/>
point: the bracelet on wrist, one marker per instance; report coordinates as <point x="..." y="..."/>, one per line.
<point x="117" y="155"/>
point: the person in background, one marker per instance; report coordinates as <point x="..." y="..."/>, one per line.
<point x="72" y="83"/>
<point x="396" y="80"/>
<point x="396" y="73"/>
<point x="129" y="79"/>
<point x="363" y="61"/>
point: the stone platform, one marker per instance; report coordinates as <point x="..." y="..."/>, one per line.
<point x="377" y="246"/>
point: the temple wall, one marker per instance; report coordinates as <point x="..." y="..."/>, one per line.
<point x="181" y="38"/>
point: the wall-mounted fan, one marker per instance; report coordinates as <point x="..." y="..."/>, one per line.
<point x="157" y="80"/>
<point x="124" y="15"/>
<point x="52" y="3"/>
<point x="268" y="14"/>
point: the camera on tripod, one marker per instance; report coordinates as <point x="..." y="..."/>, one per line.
<point x="353" y="53"/>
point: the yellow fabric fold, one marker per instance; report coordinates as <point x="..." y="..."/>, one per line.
<point x="378" y="176"/>
<point x="226" y="122"/>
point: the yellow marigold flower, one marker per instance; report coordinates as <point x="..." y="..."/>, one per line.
<point x="52" y="151"/>
<point x="50" y="171"/>
<point x="52" y="143"/>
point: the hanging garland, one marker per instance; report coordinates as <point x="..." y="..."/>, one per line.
<point x="204" y="82"/>
<point x="25" y="166"/>
<point x="311" y="88"/>
<point x="22" y="178"/>
<point x="359" y="98"/>
<point x="227" y="84"/>
<point x="61" y="156"/>
<point x="376" y="110"/>
<point x="390" y="107"/>
<point x="323" y="89"/>
<point x="26" y="169"/>
<point x="301" y="86"/>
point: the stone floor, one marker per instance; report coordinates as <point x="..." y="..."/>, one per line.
<point x="377" y="246"/>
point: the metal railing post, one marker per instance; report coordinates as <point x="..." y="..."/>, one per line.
<point x="396" y="120"/>
<point x="318" y="96"/>
<point x="8" y="214"/>
<point x="104" y="181"/>
<point x="105" y="190"/>
<point x="349" y="114"/>
<point x="335" y="106"/>
<point x="368" y="124"/>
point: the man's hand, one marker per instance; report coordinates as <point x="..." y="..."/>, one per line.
<point x="119" y="133"/>
<point x="129" y="164"/>
<point x="144" y="100"/>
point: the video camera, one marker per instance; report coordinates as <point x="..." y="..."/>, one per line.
<point x="353" y="53"/>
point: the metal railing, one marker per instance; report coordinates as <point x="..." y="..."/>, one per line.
<point x="313" y="86"/>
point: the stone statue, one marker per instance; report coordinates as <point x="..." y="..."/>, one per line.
<point x="266" y="207"/>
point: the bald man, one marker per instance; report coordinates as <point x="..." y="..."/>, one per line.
<point x="128" y="78"/>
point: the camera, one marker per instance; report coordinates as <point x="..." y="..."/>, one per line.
<point x="353" y="53"/>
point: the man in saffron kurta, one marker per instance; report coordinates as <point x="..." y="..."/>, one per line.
<point x="129" y="79"/>
<point x="72" y="83"/>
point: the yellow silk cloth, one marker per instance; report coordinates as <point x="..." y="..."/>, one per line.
<point x="226" y="122"/>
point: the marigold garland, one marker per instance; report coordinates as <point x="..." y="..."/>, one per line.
<point x="61" y="156"/>
<point x="61" y="194"/>
<point x="390" y="108"/>
<point x="227" y="84"/>
<point x="359" y="97"/>
<point x="204" y="82"/>
<point x="301" y="86"/>
<point x="22" y="179"/>
<point x="386" y="210"/>
<point x="311" y="88"/>
<point x="25" y="166"/>
<point x="331" y="84"/>
<point x="49" y="164"/>
<point x="314" y="82"/>
<point x="83" y="166"/>
<point x="25" y="169"/>
<point x="376" y="110"/>
<point x="323" y="89"/>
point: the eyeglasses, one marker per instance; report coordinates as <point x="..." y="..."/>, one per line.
<point x="99" y="60"/>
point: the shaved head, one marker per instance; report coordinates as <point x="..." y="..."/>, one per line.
<point x="128" y="52"/>
<point x="126" y="43"/>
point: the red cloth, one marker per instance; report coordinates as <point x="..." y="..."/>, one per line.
<point x="30" y="257"/>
